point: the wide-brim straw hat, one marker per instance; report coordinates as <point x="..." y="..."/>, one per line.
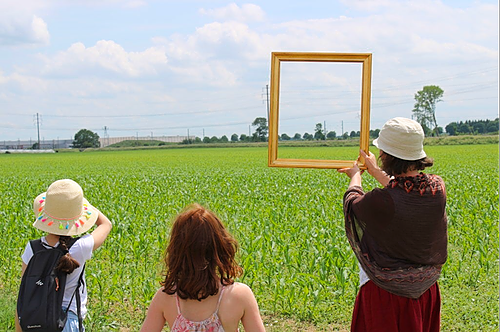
<point x="63" y="210"/>
<point x="402" y="138"/>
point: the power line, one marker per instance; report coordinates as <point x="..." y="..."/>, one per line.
<point x="311" y="90"/>
<point x="347" y="108"/>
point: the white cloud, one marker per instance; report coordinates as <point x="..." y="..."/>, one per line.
<point x="450" y="51"/>
<point x="403" y="30"/>
<point x="216" y="53"/>
<point x="21" y="22"/>
<point x="23" y="31"/>
<point x="230" y="41"/>
<point x="105" y="57"/>
<point x="233" y="12"/>
<point x="40" y="31"/>
<point x="215" y="73"/>
<point x="229" y="36"/>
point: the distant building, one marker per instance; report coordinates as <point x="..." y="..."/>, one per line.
<point x="105" y="141"/>
<point x="44" y="144"/>
<point x="68" y="143"/>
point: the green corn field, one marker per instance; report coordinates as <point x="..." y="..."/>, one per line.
<point x="288" y="222"/>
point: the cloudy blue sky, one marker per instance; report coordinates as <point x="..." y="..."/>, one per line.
<point x="145" y="67"/>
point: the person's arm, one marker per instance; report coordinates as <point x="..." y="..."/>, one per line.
<point x="18" y="327"/>
<point x="354" y="173"/>
<point x="101" y="232"/>
<point x="251" y="319"/>
<point x="373" y="169"/>
<point x="155" y="320"/>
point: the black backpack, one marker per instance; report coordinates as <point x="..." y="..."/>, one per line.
<point x="39" y="303"/>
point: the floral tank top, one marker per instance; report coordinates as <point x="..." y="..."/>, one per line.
<point x="211" y="324"/>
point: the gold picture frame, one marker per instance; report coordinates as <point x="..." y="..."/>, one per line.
<point x="276" y="58"/>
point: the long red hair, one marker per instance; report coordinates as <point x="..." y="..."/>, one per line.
<point x="200" y="255"/>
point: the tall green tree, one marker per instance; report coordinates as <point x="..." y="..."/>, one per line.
<point x="425" y="106"/>
<point x="261" y="128"/>
<point x="318" y="132"/>
<point x="86" y="139"/>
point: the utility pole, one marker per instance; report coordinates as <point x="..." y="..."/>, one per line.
<point x="38" y="129"/>
<point x="342" y="128"/>
<point x="324" y="126"/>
<point x="106" y="139"/>
<point x="267" y="93"/>
<point x="188" y="135"/>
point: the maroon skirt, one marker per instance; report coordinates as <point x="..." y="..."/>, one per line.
<point x="378" y="310"/>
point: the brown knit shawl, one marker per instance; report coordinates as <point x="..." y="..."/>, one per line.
<point x="399" y="233"/>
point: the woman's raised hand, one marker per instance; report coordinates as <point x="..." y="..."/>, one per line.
<point x="373" y="169"/>
<point x="370" y="161"/>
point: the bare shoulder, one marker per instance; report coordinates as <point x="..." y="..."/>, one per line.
<point x="241" y="306"/>
<point x="163" y="297"/>
<point x="239" y="289"/>
<point x="240" y="292"/>
<point x="163" y="301"/>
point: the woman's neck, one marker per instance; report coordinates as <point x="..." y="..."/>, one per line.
<point x="407" y="174"/>
<point x="52" y="239"/>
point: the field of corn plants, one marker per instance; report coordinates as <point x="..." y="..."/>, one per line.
<point x="288" y="222"/>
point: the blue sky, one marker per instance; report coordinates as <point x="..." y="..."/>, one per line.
<point x="143" y="67"/>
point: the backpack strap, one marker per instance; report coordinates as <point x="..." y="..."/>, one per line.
<point x="36" y="245"/>
<point x="69" y="243"/>
<point x="78" y="300"/>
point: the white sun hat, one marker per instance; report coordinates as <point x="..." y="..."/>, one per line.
<point x="402" y="138"/>
<point x="63" y="210"/>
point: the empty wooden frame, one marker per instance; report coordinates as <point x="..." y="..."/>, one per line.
<point x="276" y="57"/>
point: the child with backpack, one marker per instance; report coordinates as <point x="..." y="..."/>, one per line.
<point x="53" y="292"/>
<point x="199" y="292"/>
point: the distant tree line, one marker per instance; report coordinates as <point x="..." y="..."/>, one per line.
<point x="472" y="127"/>
<point x="86" y="138"/>
<point x="261" y="131"/>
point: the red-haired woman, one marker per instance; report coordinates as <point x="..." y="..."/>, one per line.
<point x="199" y="292"/>
<point x="398" y="233"/>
